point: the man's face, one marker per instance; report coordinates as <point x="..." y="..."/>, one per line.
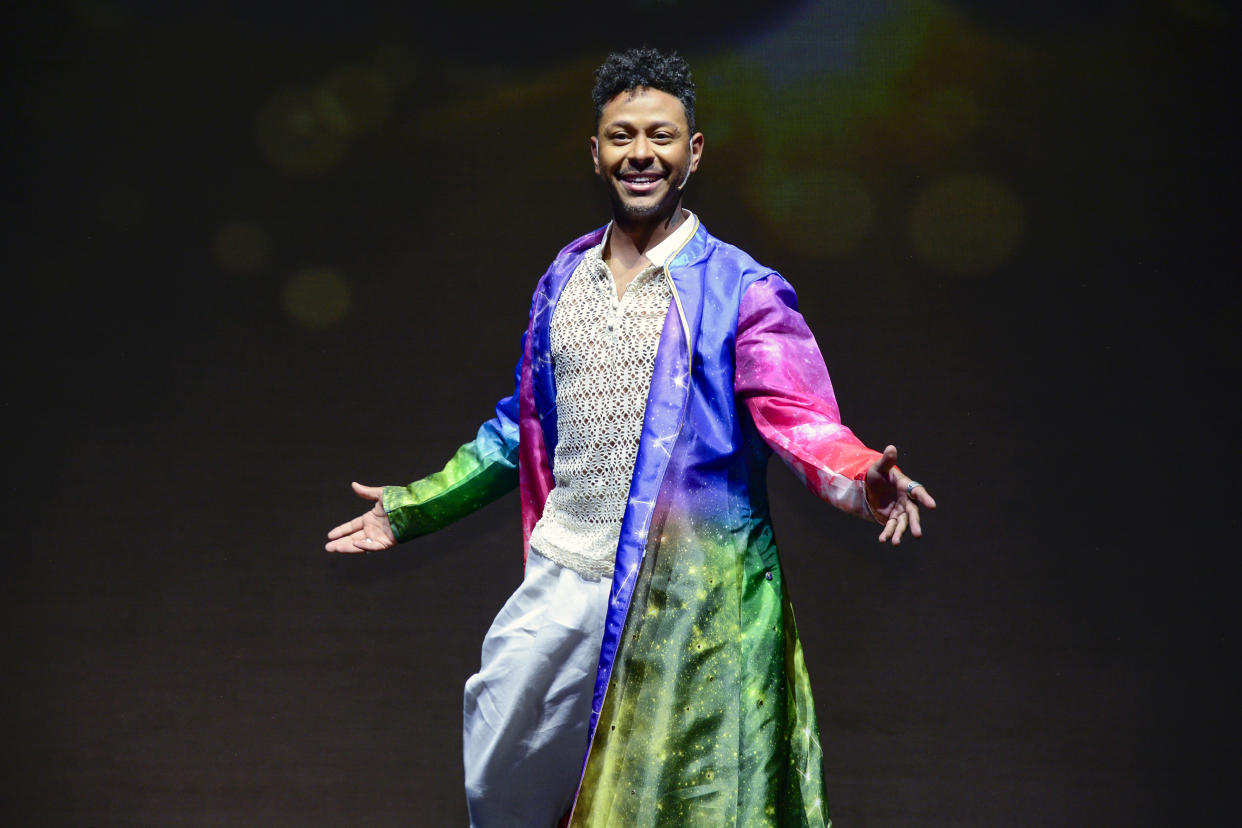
<point x="644" y="152"/>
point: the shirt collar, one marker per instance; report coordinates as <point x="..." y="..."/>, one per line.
<point x="662" y="253"/>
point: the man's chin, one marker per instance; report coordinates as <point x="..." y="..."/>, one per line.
<point x="642" y="211"/>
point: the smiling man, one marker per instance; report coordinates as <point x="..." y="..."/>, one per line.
<point x="647" y="671"/>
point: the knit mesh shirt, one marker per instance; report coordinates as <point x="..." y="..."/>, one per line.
<point x="603" y="353"/>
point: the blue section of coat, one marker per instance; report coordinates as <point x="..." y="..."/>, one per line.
<point x="690" y="407"/>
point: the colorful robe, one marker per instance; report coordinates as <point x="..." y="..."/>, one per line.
<point x="702" y="714"/>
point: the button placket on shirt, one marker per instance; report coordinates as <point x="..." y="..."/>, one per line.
<point x="617" y="306"/>
<point x="603" y="363"/>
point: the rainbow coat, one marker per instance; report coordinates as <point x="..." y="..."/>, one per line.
<point x="702" y="713"/>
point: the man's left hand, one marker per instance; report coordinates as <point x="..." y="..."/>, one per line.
<point x="895" y="499"/>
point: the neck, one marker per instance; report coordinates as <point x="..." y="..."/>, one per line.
<point x="631" y="239"/>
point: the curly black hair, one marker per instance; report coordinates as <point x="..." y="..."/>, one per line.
<point x="627" y="70"/>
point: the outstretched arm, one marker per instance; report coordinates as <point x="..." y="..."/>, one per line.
<point x="780" y="374"/>
<point x="367" y="532"/>
<point x="480" y="471"/>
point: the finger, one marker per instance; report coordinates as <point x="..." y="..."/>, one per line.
<point x="918" y="494"/>
<point x="379" y="533"/>
<point x="889" y="528"/>
<point x="346" y="529"/>
<point x="901" y="528"/>
<point x="345" y="546"/>
<point x="367" y="492"/>
<point x="887" y="460"/>
<point x="362" y="542"/>
<point x="916" y="528"/>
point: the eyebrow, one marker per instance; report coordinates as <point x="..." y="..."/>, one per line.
<point x="630" y="125"/>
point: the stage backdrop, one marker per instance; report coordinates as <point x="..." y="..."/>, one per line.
<point x="257" y="251"/>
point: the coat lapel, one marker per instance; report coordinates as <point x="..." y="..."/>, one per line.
<point x="667" y="402"/>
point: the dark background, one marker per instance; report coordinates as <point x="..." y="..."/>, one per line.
<point x="259" y="250"/>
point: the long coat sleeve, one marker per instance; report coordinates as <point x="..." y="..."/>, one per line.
<point x="478" y="473"/>
<point x="782" y="378"/>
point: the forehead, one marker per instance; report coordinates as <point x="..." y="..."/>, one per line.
<point x="644" y="105"/>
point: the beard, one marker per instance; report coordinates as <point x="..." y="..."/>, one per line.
<point x="627" y="210"/>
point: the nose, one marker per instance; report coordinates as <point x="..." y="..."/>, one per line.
<point x="640" y="154"/>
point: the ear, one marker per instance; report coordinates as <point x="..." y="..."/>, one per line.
<point x="595" y="153"/>
<point x="696" y="150"/>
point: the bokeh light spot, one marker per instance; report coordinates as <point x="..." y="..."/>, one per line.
<point x="241" y="247"/>
<point x="317" y="298"/>
<point x="355" y="99"/>
<point x="816" y="213"/>
<point x="966" y="224"/>
<point x="299" y="134"/>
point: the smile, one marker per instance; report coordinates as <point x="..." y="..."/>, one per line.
<point x="642" y="183"/>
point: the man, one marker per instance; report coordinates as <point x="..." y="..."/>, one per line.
<point x="652" y="631"/>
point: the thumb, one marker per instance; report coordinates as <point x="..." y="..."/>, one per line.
<point x="887" y="460"/>
<point x="367" y="492"/>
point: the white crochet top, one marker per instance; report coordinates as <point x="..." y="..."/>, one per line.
<point x="603" y="353"/>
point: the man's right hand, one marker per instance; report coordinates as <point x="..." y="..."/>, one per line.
<point x="368" y="532"/>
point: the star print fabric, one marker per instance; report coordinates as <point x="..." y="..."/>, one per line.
<point x="709" y="720"/>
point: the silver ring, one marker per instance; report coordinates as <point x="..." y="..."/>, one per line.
<point x="911" y="486"/>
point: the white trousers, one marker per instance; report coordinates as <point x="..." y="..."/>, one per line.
<point x="526" y="711"/>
